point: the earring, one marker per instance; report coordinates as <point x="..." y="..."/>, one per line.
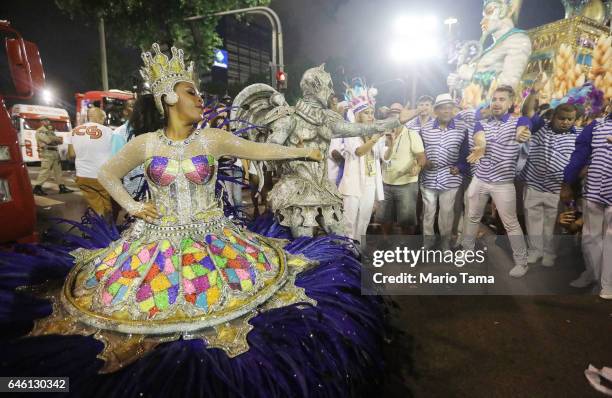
<point x="171" y="98"/>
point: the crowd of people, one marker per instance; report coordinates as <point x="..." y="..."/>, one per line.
<point x="184" y="270"/>
<point x="550" y="165"/>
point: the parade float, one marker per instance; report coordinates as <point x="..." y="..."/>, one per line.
<point x="565" y="53"/>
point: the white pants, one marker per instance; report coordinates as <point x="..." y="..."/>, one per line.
<point x="541" y="211"/>
<point x="597" y="242"/>
<point x="504" y="196"/>
<point x="445" y="215"/>
<point x="357" y="213"/>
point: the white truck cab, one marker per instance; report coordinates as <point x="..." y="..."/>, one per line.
<point x="27" y="118"/>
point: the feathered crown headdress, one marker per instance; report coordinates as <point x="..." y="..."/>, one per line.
<point x="359" y="96"/>
<point x="586" y="94"/>
<point x="162" y="74"/>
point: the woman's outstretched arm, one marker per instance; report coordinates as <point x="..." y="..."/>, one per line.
<point x="227" y="144"/>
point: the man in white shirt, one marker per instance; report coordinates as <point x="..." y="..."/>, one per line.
<point x="91" y="147"/>
<point x="403" y="159"/>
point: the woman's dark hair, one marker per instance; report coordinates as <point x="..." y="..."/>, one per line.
<point x="145" y="117"/>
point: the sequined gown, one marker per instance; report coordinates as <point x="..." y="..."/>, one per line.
<point x="192" y="273"/>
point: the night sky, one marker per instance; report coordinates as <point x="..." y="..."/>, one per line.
<point x="357" y="30"/>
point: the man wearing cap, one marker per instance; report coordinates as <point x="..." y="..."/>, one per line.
<point x="424" y="112"/>
<point x="49" y="158"/>
<point x="497" y="145"/>
<point x="403" y="159"/>
<point x="445" y="149"/>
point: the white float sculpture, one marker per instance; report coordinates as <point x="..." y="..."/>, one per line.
<point x="504" y="61"/>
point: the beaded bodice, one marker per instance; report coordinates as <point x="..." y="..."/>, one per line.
<point x="181" y="181"/>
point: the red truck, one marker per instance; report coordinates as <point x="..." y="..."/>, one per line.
<point x="111" y="102"/>
<point x="25" y="73"/>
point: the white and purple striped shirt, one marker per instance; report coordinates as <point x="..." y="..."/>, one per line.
<point x="443" y="148"/>
<point x="594" y="148"/>
<point x="415" y="123"/>
<point x="549" y="153"/>
<point x="598" y="186"/>
<point x="499" y="163"/>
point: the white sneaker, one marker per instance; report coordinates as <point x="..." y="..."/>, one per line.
<point x="518" y="271"/>
<point x="585" y="279"/>
<point x="533" y="257"/>
<point x="548" y="261"/>
<point x="606" y="293"/>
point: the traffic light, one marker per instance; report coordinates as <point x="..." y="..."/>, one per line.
<point x="281" y="80"/>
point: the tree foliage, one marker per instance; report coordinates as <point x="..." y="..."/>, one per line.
<point x="139" y="23"/>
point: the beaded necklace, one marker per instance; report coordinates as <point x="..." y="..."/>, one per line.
<point x="184" y="143"/>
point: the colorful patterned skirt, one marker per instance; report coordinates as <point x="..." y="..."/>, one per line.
<point x="228" y="312"/>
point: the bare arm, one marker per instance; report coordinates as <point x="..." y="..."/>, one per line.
<point x="415" y="167"/>
<point x="130" y="156"/>
<point x="523" y="134"/>
<point x="337" y="156"/>
<point x="367" y="146"/>
<point x="480" y="146"/>
<point x="420" y="159"/>
<point x="230" y="145"/>
<point x="389" y="144"/>
<point x="529" y="106"/>
<point x="531" y="102"/>
<point x="71" y="152"/>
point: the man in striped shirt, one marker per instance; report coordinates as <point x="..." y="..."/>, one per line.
<point x="549" y="152"/>
<point x="424" y="106"/>
<point x="497" y="142"/>
<point x="445" y="144"/>
<point x="594" y="149"/>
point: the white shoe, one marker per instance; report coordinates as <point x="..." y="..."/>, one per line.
<point x="518" y="271"/>
<point x="533" y="257"/>
<point x="548" y="261"/>
<point x="606" y="293"/>
<point x="584" y="280"/>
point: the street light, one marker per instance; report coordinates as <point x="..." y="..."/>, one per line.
<point x="450" y="21"/>
<point x="416" y="40"/>
<point x="47" y="96"/>
<point x="411" y="51"/>
<point x="277" y="32"/>
<point x="413" y="25"/>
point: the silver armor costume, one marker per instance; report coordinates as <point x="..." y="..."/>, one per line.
<point x="303" y="198"/>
